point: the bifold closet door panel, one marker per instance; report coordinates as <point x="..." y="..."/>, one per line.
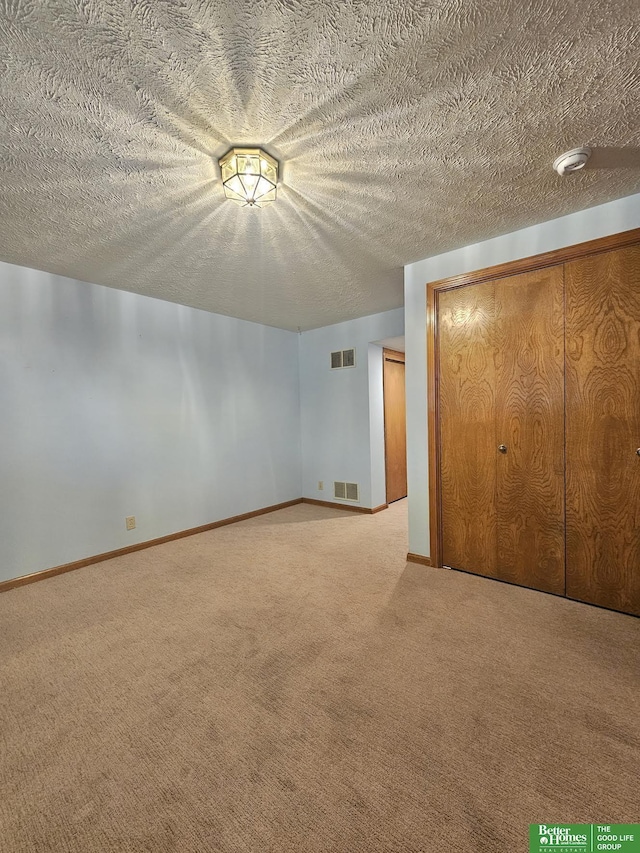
<point x="467" y="427"/>
<point x="603" y="429"/>
<point x="530" y="429"/>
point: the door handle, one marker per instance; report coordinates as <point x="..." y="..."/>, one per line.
<point x="638" y="451"/>
<point x="503" y="448"/>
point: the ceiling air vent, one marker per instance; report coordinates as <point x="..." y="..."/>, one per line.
<point x="346" y="491"/>
<point x="343" y="358"/>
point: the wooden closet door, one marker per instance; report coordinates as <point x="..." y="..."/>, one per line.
<point x="529" y="338"/>
<point x="467" y="427"/>
<point x="603" y="429"/>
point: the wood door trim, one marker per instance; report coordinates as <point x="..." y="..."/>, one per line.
<point x="537" y="262"/>
<point x="433" y="385"/>
<point x="534" y="262"/>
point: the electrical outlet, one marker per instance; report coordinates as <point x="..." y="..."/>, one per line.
<point x="130" y="522"/>
<point x="320" y="485"/>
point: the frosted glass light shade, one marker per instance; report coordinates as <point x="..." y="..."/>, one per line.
<point x="249" y="176"/>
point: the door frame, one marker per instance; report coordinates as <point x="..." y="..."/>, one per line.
<point x="434" y="288"/>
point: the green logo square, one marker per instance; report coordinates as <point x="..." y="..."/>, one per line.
<point x="584" y="838"/>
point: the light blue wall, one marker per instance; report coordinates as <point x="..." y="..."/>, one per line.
<point x="114" y="404"/>
<point x="341" y="410"/>
<point x="601" y="221"/>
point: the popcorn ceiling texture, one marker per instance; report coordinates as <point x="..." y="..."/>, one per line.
<point x="406" y="129"/>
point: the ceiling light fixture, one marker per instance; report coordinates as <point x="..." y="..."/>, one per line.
<point x="249" y="176"/>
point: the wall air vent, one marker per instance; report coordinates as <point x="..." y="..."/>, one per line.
<point x="346" y="491"/>
<point x="343" y="358"/>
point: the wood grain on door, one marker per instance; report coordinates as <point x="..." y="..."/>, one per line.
<point x="529" y="339"/>
<point x="603" y="429"/>
<point x="466" y="319"/>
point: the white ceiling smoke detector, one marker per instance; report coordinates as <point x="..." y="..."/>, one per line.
<point x="572" y="161"/>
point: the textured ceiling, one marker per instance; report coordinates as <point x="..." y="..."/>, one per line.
<point x="406" y="129"/>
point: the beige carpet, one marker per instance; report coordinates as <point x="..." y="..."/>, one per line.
<point x="291" y="684"/>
